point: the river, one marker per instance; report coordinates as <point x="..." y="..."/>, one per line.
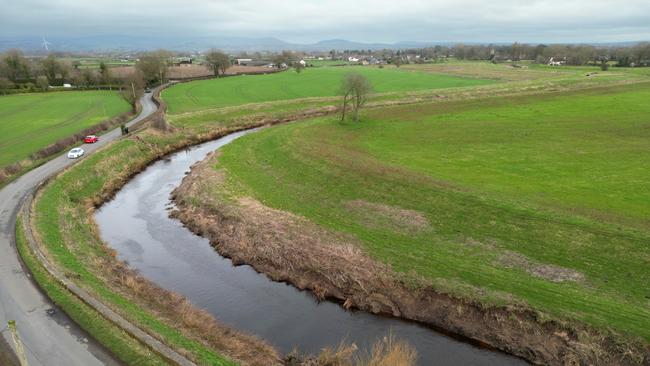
<point x="136" y="223"/>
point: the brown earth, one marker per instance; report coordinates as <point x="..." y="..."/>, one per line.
<point x="191" y="71"/>
<point x="290" y="248"/>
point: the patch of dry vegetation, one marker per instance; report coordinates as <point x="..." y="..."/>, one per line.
<point x="388" y="351"/>
<point x="332" y="265"/>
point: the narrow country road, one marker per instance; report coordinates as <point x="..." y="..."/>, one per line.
<point x="50" y="339"/>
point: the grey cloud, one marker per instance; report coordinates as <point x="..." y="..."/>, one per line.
<point x="312" y="20"/>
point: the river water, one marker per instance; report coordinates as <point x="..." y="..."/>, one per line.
<point x="137" y="225"/>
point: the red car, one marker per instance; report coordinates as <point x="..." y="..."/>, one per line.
<point x="91" y="139"/>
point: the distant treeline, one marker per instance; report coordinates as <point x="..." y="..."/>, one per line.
<point x="575" y="55"/>
<point x="22" y="74"/>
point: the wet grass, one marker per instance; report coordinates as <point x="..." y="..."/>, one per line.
<point x="312" y="82"/>
<point x="558" y="180"/>
<point x="29" y="122"/>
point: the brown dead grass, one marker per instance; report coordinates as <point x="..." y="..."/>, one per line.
<point x="388" y="351"/>
<point x="548" y="272"/>
<point x="398" y="219"/>
<point x="191" y="71"/>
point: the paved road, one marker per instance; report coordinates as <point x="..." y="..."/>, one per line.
<point x="50" y="340"/>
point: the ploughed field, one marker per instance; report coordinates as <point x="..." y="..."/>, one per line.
<point x="538" y="200"/>
<point x="29" y="122"/>
<point x="312" y="82"/>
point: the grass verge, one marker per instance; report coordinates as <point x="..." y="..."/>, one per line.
<point x="120" y="343"/>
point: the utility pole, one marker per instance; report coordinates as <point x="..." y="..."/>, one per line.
<point x="20" y="350"/>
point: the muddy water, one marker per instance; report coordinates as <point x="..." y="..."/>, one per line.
<point x="137" y="225"/>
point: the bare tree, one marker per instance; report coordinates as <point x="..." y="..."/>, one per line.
<point x="105" y="74"/>
<point x="355" y="90"/>
<point x="396" y="60"/>
<point x="284" y="58"/>
<point x="51" y="67"/>
<point x="298" y="66"/>
<point x="42" y="83"/>
<point x="154" y="66"/>
<point x="16" y="65"/>
<point x="218" y="62"/>
<point x="132" y="89"/>
<point x="5" y="85"/>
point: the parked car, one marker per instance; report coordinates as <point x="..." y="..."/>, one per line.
<point x="77" y="152"/>
<point x="148" y="90"/>
<point x="91" y="139"/>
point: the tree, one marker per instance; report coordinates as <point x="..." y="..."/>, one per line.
<point x="105" y="75"/>
<point x="5" y="85"/>
<point x="16" y="65"/>
<point x="42" y="83"/>
<point x="396" y="60"/>
<point x="218" y="62"/>
<point x="89" y="77"/>
<point x="51" y="67"/>
<point x="355" y="90"/>
<point x="153" y="66"/>
<point x="298" y="66"/>
<point x="286" y="58"/>
<point x="132" y="89"/>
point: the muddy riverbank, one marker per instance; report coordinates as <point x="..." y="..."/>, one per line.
<point x="290" y="249"/>
<point x="136" y="224"/>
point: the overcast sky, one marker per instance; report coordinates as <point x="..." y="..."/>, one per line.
<point x="358" y="20"/>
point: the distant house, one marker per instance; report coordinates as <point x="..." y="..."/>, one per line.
<point x="552" y="62"/>
<point x="353" y="59"/>
<point x="302" y="62"/>
<point x="243" y="61"/>
<point x="184" y="62"/>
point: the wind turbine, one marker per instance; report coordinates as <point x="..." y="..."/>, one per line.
<point x="45" y="44"/>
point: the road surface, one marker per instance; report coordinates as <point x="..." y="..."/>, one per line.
<point x="50" y="339"/>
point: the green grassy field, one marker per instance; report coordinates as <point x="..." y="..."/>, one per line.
<point x="312" y="82"/>
<point x="29" y="122"/>
<point x="93" y="62"/>
<point x="557" y="182"/>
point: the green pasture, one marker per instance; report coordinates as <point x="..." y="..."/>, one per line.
<point x="29" y="122"/>
<point x="515" y="190"/>
<point x="312" y="82"/>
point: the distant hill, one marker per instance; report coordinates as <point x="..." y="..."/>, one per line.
<point x="126" y="43"/>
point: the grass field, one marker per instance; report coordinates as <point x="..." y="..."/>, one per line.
<point x="29" y="122"/>
<point x="312" y="82"/>
<point x="541" y="200"/>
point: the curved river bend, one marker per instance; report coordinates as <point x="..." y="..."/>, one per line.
<point x="137" y="225"/>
